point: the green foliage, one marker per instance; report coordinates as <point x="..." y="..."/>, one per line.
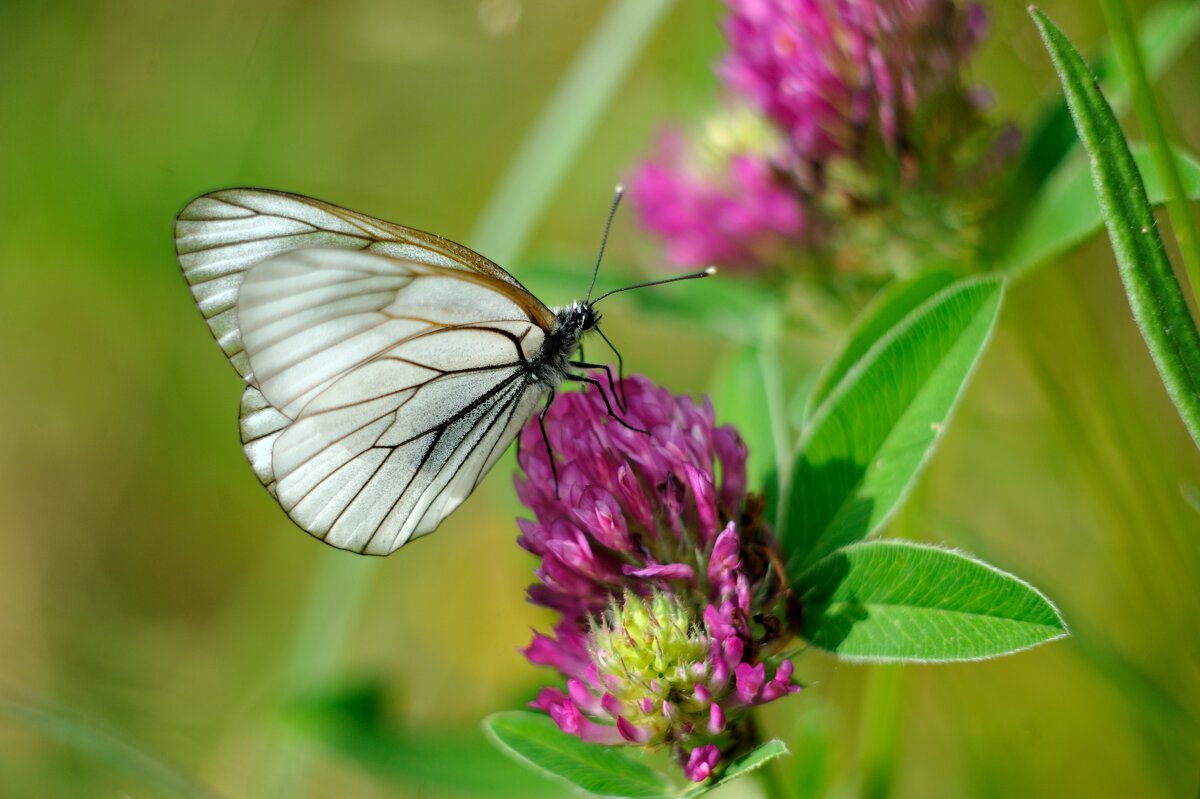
<point x="535" y="740"/>
<point x="351" y="722"/>
<point x="1153" y="123"/>
<point x="740" y="395"/>
<point x="879" y="410"/>
<point x="117" y="753"/>
<point x="891" y="305"/>
<point x="864" y="448"/>
<point x="898" y="600"/>
<point x="121" y="422"/>
<point x="1166" y="31"/>
<point x="1067" y="213"/>
<point x="740" y="767"/>
<point x="1154" y="295"/>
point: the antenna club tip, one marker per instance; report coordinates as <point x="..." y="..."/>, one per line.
<point x="712" y="270"/>
<point x="620" y="189"/>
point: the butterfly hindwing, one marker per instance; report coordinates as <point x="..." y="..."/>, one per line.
<point x="260" y="425"/>
<point x="398" y="381"/>
<point x="361" y="478"/>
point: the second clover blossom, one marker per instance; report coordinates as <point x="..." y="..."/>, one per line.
<point x="878" y="156"/>
<point x="727" y="208"/>
<point x="673" y="614"/>
<point x="835" y="73"/>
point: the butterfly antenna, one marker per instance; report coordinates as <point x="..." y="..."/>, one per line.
<point x="712" y="270"/>
<point x="612" y="211"/>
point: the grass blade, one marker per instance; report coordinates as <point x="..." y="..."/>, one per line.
<point x="1155" y="129"/>
<point x="1154" y="295"/>
<point x="88" y="738"/>
<point x="1165" y="33"/>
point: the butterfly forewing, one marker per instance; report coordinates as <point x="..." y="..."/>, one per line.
<point x="387" y="367"/>
<point x="219" y="236"/>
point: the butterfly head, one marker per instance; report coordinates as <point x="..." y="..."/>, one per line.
<point x="577" y="318"/>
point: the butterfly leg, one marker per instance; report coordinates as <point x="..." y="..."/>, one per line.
<point x="612" y="386"/>
<point x="621" y="402"/>
<point x="520" y="463"/>
<point x="604" y="396"/>
<point x="546" y="440"/>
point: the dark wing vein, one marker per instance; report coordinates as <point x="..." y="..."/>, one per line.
<point x="485" y="405"/>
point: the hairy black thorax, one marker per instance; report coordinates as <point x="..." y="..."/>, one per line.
<point x="552" y="362"/>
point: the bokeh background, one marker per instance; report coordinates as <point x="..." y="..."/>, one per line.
<point x="161" y="618"/>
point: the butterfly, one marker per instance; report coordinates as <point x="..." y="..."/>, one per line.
<point x="386" y="369"/>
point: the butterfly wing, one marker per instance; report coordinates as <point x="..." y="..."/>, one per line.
<point x="386" y="375"/>
<point x="384" y="389"/>
<point x="219" y="236"/>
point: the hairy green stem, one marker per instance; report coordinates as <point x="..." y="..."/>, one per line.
<point x="1155" y="297"/>
<point x="882" y="720"/>
<point x="769" y="366"/>
<point x="1154" y="121"/>
<point x="883" y="707"/>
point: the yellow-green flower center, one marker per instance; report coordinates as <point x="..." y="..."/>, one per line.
<point x="650" y="655"/>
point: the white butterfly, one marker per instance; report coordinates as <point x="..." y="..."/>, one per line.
<point x="387" y="369"/>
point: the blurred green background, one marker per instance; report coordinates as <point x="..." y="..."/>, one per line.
<point x="159" y="610"/>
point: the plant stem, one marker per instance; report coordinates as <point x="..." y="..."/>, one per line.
<point x="883" y="715"/>
<point x="769" y="366"/>
<point x="1153" y="122"/>
<point x="883" y="707"/>
<point x="767" y="774"/>
<point x="339" y="582"/>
